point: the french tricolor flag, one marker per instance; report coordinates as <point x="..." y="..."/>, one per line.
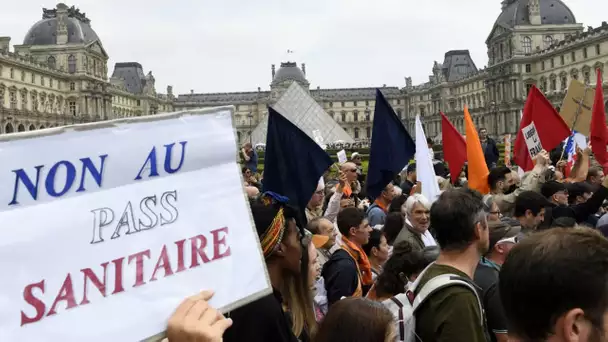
<point x="571" y="143"/>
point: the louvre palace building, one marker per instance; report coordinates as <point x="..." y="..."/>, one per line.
<point x="59" y="75"/>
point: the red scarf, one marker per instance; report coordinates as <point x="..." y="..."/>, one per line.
<point x="365" y="268"/>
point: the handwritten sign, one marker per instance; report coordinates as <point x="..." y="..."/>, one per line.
<point x="107" y="227"/>
<point x="578" y="99"/>
<point x="532" y="140"/>
<point x="342" y="157"/>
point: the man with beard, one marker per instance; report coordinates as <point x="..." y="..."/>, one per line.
<point x="454" y="313"/>
<point x="504" y="189"/>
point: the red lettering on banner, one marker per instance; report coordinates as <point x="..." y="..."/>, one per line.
<point x="139" y="266"/>
<point x="66" y="292"/>
<point x="29" y="297"/>
<point x="220" y="241"/>
<point x="180" y="256"/>
<point x="198" y="244"/>
<point x="101" y="286"/>
<point x="164" y="263"/>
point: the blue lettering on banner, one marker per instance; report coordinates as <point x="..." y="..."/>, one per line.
<point x="151" y="163"/>
<point x="52" y="185"/>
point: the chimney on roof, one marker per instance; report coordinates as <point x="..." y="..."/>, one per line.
<point x="504" y="5"/>
<point x="273" y="69"/>
<point x="304" y="68"/>
<point x="191" y="91"/>
<point x="62" y="28"/>
<point x="259" y="89"/>
<point x="384" y="86"/>
<point x="5" y="44"/>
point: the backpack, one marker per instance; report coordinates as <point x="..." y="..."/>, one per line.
<point x="404" y="305"/>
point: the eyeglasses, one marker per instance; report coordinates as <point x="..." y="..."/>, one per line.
<point x="320" y="192"/>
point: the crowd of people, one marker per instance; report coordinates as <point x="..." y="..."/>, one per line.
<point x="526" y="262"/>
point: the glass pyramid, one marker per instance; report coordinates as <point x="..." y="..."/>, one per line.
<point x="304" y="112"/>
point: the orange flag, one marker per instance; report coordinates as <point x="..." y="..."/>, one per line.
<point x="477" y="168"/>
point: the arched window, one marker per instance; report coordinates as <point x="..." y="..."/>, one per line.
<point x="368" y="132"/>
<point x="548" y="40"/>
<point x="355" y="116"/>
<point x="51" y="62"/>
<point x="356" y="133"/>
<point x="42" y="127"/>
<point x="32" y="128"/>
<point x="331" y="113"/>
<point x="400" y="113"/>
<point x="21" y="128"/>
<point x="343" y="116"/>
<point x="526" y="44"/>
<point x="72" y="64"/>
<point x="367" y="115"/>
<point x="9" y="128"/>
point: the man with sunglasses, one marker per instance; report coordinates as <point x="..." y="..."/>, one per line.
<point x="503" y="236"/>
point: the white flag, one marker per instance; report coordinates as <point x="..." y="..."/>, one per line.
<point x="424" y="165"/>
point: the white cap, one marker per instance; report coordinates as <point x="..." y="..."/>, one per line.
<point x="321" y="184"/>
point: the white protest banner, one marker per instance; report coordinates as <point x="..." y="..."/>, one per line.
<point x="532" y="140"/>
<point x="342" y="157"/>
<point x="107" y="227"/>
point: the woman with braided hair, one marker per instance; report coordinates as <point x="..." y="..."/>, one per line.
<point x="265" y="319"/>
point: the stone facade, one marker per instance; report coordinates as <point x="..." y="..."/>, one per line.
<point x="532" y="42"/>
<point x="58" y="76"/>
<point x="352" y="108"/>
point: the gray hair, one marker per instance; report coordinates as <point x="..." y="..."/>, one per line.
<point x="414" y="199"/>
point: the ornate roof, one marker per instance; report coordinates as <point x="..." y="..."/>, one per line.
<point x="552" y="12"/>
<point x="289" y="71"/>
<point x="44" y="32"/>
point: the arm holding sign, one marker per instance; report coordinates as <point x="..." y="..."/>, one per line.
<point x="532" y="182"/>
<point x="333" y="207"/>
<point x="581" y="166"/>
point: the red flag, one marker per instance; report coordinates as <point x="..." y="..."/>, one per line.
<point x="551" y="128"/>
<point x="454" y="147"/>
<point x="599" y="136"/>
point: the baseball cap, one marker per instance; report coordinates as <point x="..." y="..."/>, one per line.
<point x="355" y="155"/>
<point x="501" y="231"/>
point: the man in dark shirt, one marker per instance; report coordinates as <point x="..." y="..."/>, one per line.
<point x="410" y="179"/>
<point x="453" y="313"/>
<point x="502" y="238"/>
<point x="250" y="156"/>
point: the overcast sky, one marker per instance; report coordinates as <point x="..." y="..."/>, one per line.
<point x="229" y="45"/>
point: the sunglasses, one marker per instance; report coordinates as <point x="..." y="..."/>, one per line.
<point x="513" y="239"/>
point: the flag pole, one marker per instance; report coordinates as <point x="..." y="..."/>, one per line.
<point x="576" y="115"/>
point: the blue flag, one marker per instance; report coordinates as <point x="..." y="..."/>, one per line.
<point x="391" y="150"/>
<point x="293" y="162"/>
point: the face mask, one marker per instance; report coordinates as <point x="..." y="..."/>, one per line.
<point x="511" y="189"/>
